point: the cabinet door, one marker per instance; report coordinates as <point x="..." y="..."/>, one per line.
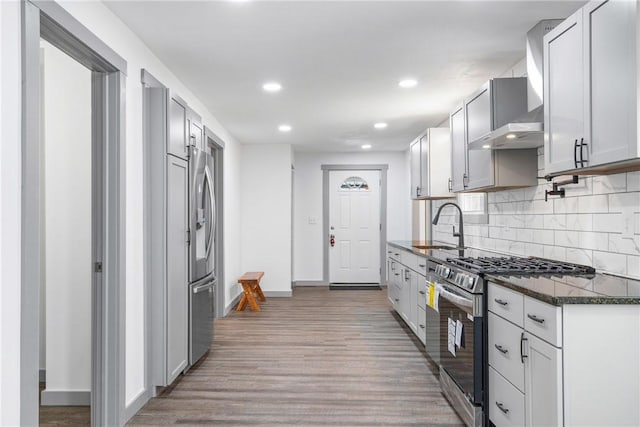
<point x="177" y="140"/>
<point x="563" y="94"/>
<point x="415" y="169"/>
<point x="413" y="301"/>
<point x="177" y="261"/>
<point x="405" y="294"/>
<point x="543" y="383"/>
<point x="439" y="166"/>
<point x="195" y="132"/>
<point x="458" y="150"/>
<point x="424" y="166"/>
<point x="478" y="123"/>
<point x="610" y="64"/>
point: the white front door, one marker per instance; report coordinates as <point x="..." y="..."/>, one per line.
<point x="354" y="224"/>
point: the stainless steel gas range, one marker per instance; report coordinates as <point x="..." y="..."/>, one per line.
<point x="460" y="289"/>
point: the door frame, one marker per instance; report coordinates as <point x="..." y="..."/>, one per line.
<point x="216" y="147"/>
<point x="326" y="169"/>
<point x="51" y="22"/>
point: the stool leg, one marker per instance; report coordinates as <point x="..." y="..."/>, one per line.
<point x="253" y="304"/>
<point x="243" y="303"/>
<point x="259" y="292"/>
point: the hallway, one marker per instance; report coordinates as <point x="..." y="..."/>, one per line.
<point x="332" y="358"/>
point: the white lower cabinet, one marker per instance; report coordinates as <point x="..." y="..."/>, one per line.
<point x="407" y="289"/>
<point x="525" y="374"/>
<point x="506" y="405"/>
<point x="421" y="331"/>
<point x="505" y="340"/>
<point x="543" y="382"/>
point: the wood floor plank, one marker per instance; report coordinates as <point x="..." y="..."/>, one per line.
<point x="320" y="358"/>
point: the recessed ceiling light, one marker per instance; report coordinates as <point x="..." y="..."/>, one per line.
<point x="485" y="146"/>
<point x="272" y="87"/>
<point x="380" y="125"/>
<point x="284" y="128"/>
<point x="511" y="136"/>
<point x="366" y="146"/>
<point x="407" y="83"/>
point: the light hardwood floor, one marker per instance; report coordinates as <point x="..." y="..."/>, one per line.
<point x="320" y="358"/>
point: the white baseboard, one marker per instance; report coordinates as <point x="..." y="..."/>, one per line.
<point x="143" y="397"/>
<point x="65" y="398"/>
<point x="277" y="294"/>
<point x="232" y="304"/>
<point x="298" y="283"/>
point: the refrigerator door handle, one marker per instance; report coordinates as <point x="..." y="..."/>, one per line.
<point x="202" y="288"/>
<point x="212" y="206"/>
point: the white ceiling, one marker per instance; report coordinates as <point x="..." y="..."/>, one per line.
<point x="339" y="62"/>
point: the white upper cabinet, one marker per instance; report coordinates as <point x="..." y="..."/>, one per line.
<point x="497" y="103"/>
<point x="431" y="165"/>
<point x="458" y="150"/>
<point x="590" y="90"/>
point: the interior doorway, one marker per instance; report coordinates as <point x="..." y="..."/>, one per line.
<point x="354" y="222"/>
<point x="66" y="193"/>
<point x="104" y="231"/>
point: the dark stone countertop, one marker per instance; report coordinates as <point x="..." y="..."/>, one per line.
<point x="557" y="290"/>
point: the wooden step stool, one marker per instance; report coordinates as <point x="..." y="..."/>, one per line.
<point x="251" y="284"/>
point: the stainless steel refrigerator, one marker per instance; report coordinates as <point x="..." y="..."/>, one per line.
<point x="202" y="271"/>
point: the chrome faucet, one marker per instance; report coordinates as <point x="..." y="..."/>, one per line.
<point x="460" y="233"/>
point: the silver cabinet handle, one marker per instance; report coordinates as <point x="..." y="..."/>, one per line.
<point x="500" y="406"/>
<point x="535" y="318"/>
<point x="422" y="326"/>
<point x="397" y="300"/>
<point x="422" y="265"/>
<point x="501" y="302"/>
<point x="422" y="292"/>
<point x="501" y="349"/>
<point x="522" y="340"/>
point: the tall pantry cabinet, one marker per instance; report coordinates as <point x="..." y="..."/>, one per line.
<point x="166" y="169"/>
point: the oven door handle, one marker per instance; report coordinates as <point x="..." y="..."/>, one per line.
<point x="447" y="294"/>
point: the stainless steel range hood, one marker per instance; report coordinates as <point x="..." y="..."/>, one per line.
<point x="527" y="131"/>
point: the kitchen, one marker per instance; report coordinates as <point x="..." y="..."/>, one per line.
<point x="513" y="221"/>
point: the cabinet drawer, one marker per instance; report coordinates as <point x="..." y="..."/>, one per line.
<point x="506" y="403"/>
<point x="410" y="260"/>
<point x="506" y="303"/>
<point x="505" y="350"/>
<point x="422" y="325"/>
<point x="543" y="320"/>
<point x="394" y="253"/>
<point x="421" y="265"/>
<point x="422" y="292"/>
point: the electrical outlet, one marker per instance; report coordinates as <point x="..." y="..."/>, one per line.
<point x="313" y="220"/>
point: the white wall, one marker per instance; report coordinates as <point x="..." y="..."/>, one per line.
<point x="266" y="214"/>
<point x="10" y="222"/>
<point x="67" y="210"/>
<point x="106" y="26"/>
<point x="308" y="251"/>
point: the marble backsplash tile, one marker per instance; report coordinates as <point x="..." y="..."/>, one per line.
<point x="585" y="227"/>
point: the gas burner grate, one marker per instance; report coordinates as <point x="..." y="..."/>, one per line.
<point x="518" y="265"/>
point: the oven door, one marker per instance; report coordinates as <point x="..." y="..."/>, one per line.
<point x="462" y="362"/>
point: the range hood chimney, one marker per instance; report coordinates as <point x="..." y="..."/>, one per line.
<point x="527" y="131"/>
<point x="535" y="69"/>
